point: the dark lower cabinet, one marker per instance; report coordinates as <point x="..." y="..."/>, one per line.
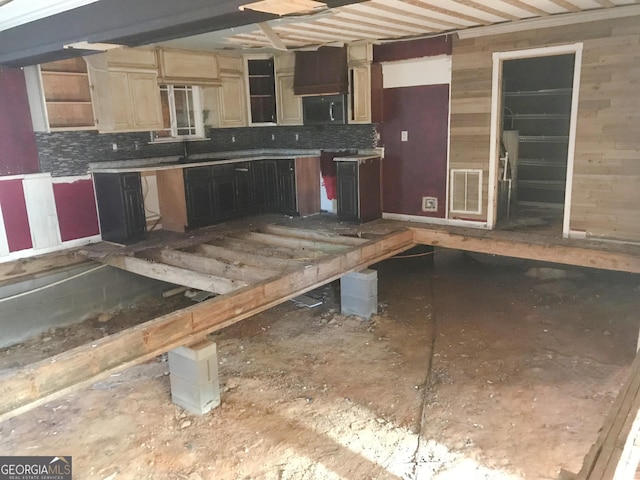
<point x="215" y="193"/>
<point x="275" y="186"/>
<point x="358" y="189"/>
<point x="224" y="187"/>
<point x="287" y="187"/>
<point x="347" y="190"/>
<point x="200" y="196"/>
<point x="120" y="206"/>
<point x="244" y="195"/>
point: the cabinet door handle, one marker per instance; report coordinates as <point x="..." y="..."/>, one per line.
<point x="242" y="169"/>
<point x="331" y="117"/>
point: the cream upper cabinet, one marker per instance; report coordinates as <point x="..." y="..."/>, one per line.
<point x="360" y="93"/>
<point x="360" y="56"/>
<point x="231" y="95"/>
<point x="288" y="105"/>
<point x="232" y="111"/>
<point x="133" y="57"/>
<point x="190" y="67"/>
<point x="125" y="94"/>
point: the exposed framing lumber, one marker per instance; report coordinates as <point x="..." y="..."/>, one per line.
<point x="51" y="378"/>
<point x="313" y="235"/>
<point x="566" y="5"/>
<point x="439" y="23"/>
<point x="208" y="265"/>
<point x="569" y="254"/>
<point x="29" y="267"/>
<point x="271" y="240"/>
<point x="615" y="455"/>
<point x="486" y="9"/>
<point x="527" y="7"/>
<point x="244" y="245"/>
<point x="171" y="274"/>
<point x="445" y="11"/>
<point x="245" y="258"/>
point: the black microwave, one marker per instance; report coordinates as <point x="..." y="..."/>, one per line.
<point x="324" y="110"/>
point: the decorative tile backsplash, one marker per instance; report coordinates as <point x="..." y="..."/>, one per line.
<point x="69" y="153"/>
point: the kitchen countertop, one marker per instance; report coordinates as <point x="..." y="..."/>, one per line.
<point x="217" y="158"/>
<point x="356" y="158"/>
<point x="197" y="159"/>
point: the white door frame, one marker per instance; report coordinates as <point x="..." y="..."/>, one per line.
<point x="496" y="117"/>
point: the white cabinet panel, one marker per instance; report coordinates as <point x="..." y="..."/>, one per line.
<point x="41" y="208"/>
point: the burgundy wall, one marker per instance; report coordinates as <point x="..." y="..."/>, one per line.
<point x="18" y="152"/>
<point x="14" y="211"/>
<point x="76" y="207"/>
<point x="416" y="168"/>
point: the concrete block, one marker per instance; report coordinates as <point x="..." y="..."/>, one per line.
<point x="358" y="284"/>
<point x="359" y="293"/>
<point x="198" y="399"/>
<point x="197" y="372"/>
<point x="194" y="377"/>
<point x="362" y="307"/>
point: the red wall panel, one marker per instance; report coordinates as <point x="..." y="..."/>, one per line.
<point x="418" y="167"/>
<point x="19" y="153"/>
<point x="14" y="211"/>
<point x="76" y="207"/>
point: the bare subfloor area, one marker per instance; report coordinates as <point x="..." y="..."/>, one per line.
<point x="471" y="370"/>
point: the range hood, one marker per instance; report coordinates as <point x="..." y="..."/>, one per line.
<point x="321" y="72"/>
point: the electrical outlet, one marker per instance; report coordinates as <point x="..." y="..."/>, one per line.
<point x="404" y="136"/>
<point x="233" y="139"/>
<point x="273" y="136"/>
<point x="429" y="204"/>
<point x="297" y="137"/>
<point x="114" y="146"/>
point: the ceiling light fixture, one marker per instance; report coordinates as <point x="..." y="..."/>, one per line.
<point x="284" y="7"/>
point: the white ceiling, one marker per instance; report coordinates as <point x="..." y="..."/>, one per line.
<point x="19" y="12"/>
<point x="377" y="20"/>
<point x="373" y="20"/>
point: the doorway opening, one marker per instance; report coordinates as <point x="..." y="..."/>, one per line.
<point x="534" y="137"/>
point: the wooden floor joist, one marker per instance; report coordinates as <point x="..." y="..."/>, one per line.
<point x="313" y="235"/>
<point x="208" y="265"/>
<point x="43" y="381"/>
<point x="293" y="243"/>
<point x="579" y="253"/>
<point x="246" y="258"/>
<point x="177" y="275"/>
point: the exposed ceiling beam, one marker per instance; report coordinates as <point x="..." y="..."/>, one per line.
<point x="383" y="7"/>
<point x="446" y="11"/>
<point x="552" y="21"/>
<point x="526" y="7"/>
<point x="487" y="9"/>
<point x="566" y="5"/>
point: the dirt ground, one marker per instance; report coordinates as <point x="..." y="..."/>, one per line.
<point x="471" y="370"/>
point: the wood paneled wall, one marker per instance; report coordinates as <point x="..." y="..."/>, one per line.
<point x="606" y="180"/>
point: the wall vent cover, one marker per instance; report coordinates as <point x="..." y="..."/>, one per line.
<point x="466" y="191"/>
<point x="429" y="204"/>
